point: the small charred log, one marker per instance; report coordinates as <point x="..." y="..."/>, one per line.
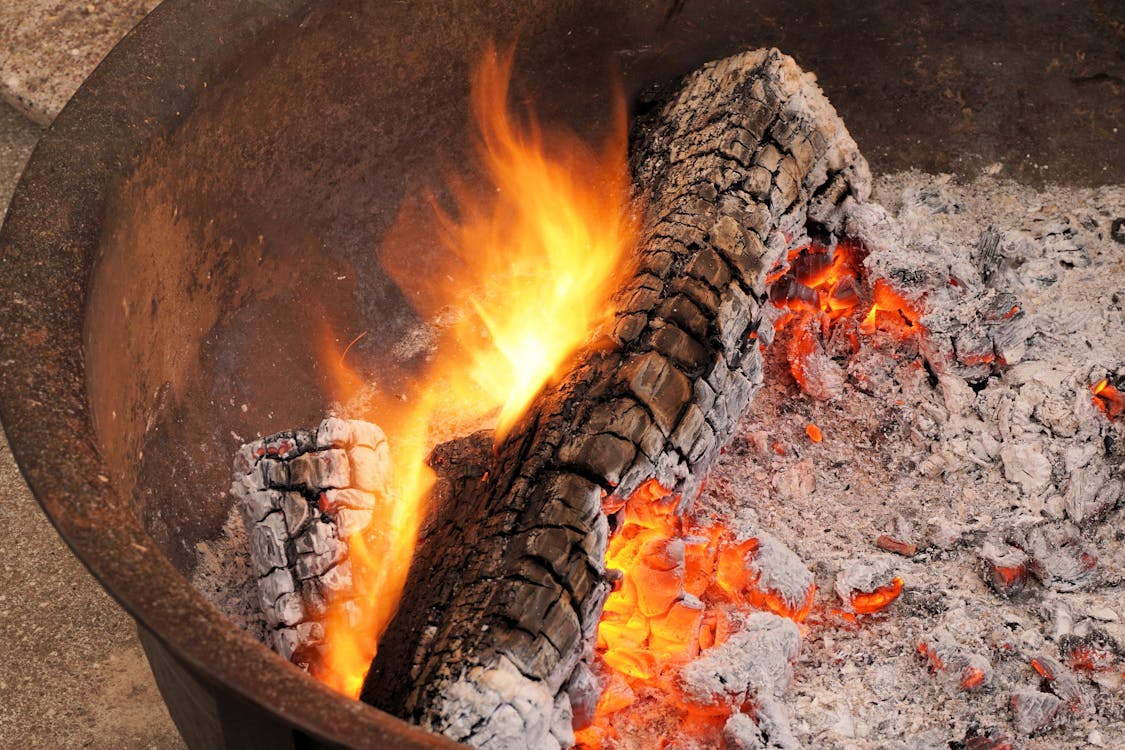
<point x="508" y="583"/>
<point x="302" y="493"/>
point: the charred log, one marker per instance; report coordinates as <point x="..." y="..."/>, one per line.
<point x="509" y="581"/>
<point x="302" y="493"/>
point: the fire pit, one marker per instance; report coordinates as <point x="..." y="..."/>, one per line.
<point x="253" y="196"/>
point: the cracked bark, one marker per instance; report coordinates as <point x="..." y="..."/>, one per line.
<point x="509" y="580"/>
<point x="301" y="494"/>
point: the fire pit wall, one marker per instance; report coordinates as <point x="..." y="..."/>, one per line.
<point x="736" y="165"/>
<point x="240" y="238"/>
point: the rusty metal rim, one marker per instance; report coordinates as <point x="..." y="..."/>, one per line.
<point x="47" y="245"/>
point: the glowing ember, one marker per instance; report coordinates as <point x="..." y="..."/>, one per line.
<point x="1089" y="656"/>
<point x="1043" y="668"/>
<point x="868" y="603"/>
<point x="972" y="678"/>
<point x="1109" y="399"/>
<point x="823" y="293"/>
<point x="944" y="656"/>
<point x="931" y="656"/>
<point x="533" y="265"/>
<point x="681" y="585"/>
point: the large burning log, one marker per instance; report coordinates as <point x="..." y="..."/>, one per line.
<point x="509" y="580"/>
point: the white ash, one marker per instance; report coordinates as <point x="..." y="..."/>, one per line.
<point x="753" y="667"/>
<point x="994" y="457"/>
<point x="741" y="732"/>
<point x="756" y="660"/>
<point x="517" y="709"/>
<point x="781" y="572"/>
<point x="301" y="494"/>
<point x="1035" y="712"/>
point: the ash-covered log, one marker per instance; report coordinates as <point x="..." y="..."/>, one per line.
<point x="302" y="493"/>
<point x="508" y="582"/>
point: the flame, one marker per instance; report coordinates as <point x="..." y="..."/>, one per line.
<point x="557" y="231"/>
<point x="868" y="324"/>
<point x="680" y="582"/>
<point x="897" y="312"/>
<point x="532" y="266"/>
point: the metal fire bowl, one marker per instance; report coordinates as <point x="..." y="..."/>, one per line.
<point x="206" y="211"/>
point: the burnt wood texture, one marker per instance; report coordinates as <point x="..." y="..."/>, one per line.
<point x="494" y="634"/>
<point x="301" y="494"/>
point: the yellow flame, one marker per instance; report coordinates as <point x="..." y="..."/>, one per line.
<point x="555" y="239"/>
<point x="380" y="558"/>
<point x="534" y="270"/>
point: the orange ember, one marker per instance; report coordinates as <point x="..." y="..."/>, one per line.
<point x="972" y="677"/>
<point x="825" y="290"/>
<point x="531" y="266"/>
<point x="1011" y="574"/>
<point x="868" y="603"/>
<point x="931" y="656"/>
<point x="1042" y="668"/>
<point x="819" y="281"/>
<point x="680" y="584"/>
<point x="1091" y="658"/>
<point x="1109" y="399"/>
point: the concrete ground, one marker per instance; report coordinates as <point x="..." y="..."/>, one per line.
<point x="48" y="47"/>
<point x="72" y="673"/>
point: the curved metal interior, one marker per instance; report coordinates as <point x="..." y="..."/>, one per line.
<point x="208" y="208"/>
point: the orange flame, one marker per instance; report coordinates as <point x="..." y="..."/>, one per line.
<point x="557" y="235"/>
<point x="534" y="264"/>
<point x="891" y="311"/>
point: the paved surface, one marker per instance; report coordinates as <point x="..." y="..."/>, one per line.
<point x="48" y="47"/>
<point x="72" y="674"/>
